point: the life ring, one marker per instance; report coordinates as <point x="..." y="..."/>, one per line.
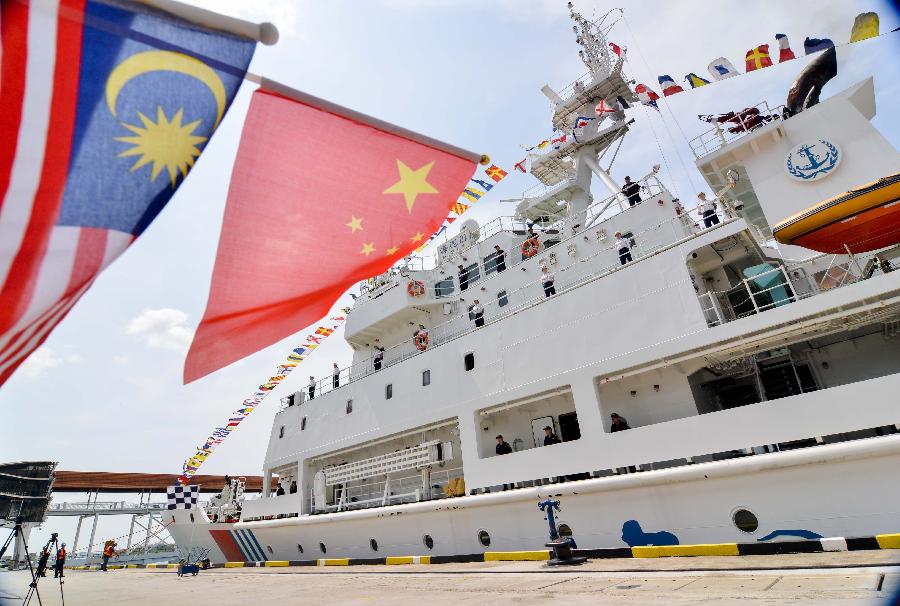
<point x="421" y="341"/>
<point x="530" y="247"/>
<point x="415" y="288"/>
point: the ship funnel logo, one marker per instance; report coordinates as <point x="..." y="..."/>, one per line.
<point x="813" y="160"/>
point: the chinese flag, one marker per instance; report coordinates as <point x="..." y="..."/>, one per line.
<point x="317" y="202"/>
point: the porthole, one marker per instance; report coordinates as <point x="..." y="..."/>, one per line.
<point x="428" y="541"/>
<point x="302" y="423"/>
<point x="564" y="530"/>
<point x="484" y="538"/>
<point x="388" y="391"/>
<point x="299" y="547"/>
<point x="349" y="408"/>
<point x="192" y="517"/>
<point x="322" y="547"/>
<point x="373" y="544"/>
<point x="281" y="432"/>
<point x="745" y="520"/>
<point x="469" y="361"/>
<point x="269" y="549"/>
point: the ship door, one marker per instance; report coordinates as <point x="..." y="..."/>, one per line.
<point x="537" y="429"/>
<point x="568" y="427"/>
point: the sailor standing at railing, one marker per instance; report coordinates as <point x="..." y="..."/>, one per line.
<point x="548" y="280"/>
<point x="476" y="312"/>
<point x="499" y="258"/>
<point x="379" y="356"/>
<point x="707" y="210"/>
<point x="311" y="387"/>
<point x="623" y="248"/>
<point x="632" y="191"/>
<point x="335" y="376"/>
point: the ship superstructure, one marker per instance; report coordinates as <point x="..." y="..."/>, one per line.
<point x="757" y="379"/>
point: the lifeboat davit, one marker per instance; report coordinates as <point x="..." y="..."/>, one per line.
<point x="864" y="219"/>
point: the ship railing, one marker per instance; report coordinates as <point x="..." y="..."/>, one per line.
<point x="374" y="287"/>
<point x="718" y="137"/>
<point x="790" y="282"/>
<point x="406" y="489"/>
<point x="644" y="244"/>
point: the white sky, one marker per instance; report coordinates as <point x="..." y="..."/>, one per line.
<point x="105" y="393"/>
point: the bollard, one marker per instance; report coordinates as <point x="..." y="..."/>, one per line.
<point x="561" y="547"/>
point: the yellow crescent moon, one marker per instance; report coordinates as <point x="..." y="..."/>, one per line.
<point x="159" y="61"/>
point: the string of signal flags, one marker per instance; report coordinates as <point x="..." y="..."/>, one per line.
<point x="865" y="25"/>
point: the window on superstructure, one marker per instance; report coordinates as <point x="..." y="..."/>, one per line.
<point x="281" y="432"/>
<point x="426" y="378"/>
<point x="388" y="391"/>
<point x="474" y="273"/>
<point x="502" y="298"/>
<point x="349" y="406"/>
<point x="444" y="288"/>
<point x="469" y="361"/>
<point x="303" y="424"/>
<point x="490" y="263"/>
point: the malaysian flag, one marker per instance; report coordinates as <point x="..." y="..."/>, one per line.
<point x="105" y="107"/>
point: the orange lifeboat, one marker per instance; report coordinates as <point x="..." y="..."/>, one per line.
<point x="865" y="218"/>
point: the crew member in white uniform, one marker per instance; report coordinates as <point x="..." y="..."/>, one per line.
<point x="547" y="280"/>
<point x="335" y="376"/>
<point x="623" y="247"/>
<point x="707" y="210"/>
<point x="312" y="387"/>
<point x="477" y="313"/>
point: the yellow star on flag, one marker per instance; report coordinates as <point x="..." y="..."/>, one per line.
<point x="367" y="249"/>
<point x="419" y="235"/>
<point x="412" y="183"/>
<point x="392" y="250"/>
<point x="355" y="224"/>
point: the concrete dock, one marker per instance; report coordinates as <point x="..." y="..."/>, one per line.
<point x="869" y="577"/>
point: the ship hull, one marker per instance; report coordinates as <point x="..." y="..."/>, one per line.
<point x="841" y="490"/>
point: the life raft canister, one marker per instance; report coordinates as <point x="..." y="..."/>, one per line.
<point x="421" y="341"/>
<point x="530" y="247"/>
<point x="415" y="288"/>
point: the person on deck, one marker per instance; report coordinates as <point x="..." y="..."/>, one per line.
<point x="379" y="356"/>
<point x="707" y="210"/>
<point x="632" y="191"/>
<point x="335" y="376"/>
<point x="60" y="562"/>
<point x="502" y="447"/>
<point x="311" y="387"/>
<point x="547" y="281"/>
<point x="280" y="490"/>
<point x="293" y="488"/>
<point x="550" y="436"/>
<point x="476" y="312"/>
<point x="500" y="258"/>
<point x="463" y="277"/>
<point x="623" y="248"/>
<point x="618" y="423"/>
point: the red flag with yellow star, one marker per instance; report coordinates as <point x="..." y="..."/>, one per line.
<point x="319" y="199"/>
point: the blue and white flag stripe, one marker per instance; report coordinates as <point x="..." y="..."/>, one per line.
<point x="249" y="546"/>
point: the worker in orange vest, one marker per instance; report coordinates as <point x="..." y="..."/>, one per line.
<point x="60" y="561"/>
<point x="108" y="552"/>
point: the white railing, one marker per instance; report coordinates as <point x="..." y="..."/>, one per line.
<point x="720" y="135"/>
<point x="104" y="506"/>
<point x="388" y="492"/>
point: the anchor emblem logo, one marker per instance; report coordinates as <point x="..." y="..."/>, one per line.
<point x="812" y="161"/>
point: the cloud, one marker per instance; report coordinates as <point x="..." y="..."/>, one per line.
<point x="162" y="328"/>
<point x="45" y="359"/>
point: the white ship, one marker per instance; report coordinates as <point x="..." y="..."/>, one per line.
<point x="758" y="379"/>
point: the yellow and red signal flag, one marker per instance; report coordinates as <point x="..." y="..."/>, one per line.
<point x="758" y="58"/>
<point x="321" y="197"/>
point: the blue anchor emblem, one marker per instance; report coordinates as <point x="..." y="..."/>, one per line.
<point x="816" y="165"/>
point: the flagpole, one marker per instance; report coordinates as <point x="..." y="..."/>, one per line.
<point x="340" y="110"/>
<point x="266" y="33"/>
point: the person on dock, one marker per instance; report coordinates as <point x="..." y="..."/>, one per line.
<point x="476" y="312"/>
<point x="60" y="562"/>
<point x="503" y="446"/>
<point x="109" y="550"/>
<point x="632" y="191"/>
<point x="42" y="562"/>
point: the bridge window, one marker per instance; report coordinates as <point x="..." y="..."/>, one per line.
<point x="443" y="288"/>
<point x="469" y="361"/>
<point x="426" y="378"/>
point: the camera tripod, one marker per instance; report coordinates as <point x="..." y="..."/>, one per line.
<point x="35" y="575"/>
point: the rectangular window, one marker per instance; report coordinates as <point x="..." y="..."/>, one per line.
<point x="426" y="378"/>
<point x="388" y="391"/>
<point x="474" y="273"/>
<point x="502" y="299"/>
<point x="469" y="361"/>
<point x="443" y="288"/>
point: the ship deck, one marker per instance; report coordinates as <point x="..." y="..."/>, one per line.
<point x="823" y="578"/>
